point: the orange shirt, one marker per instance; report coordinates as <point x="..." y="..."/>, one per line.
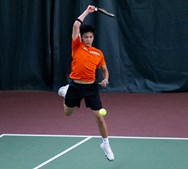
<point x="85" y="61"/>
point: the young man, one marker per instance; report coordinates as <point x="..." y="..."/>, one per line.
<point x="85" y="60"/>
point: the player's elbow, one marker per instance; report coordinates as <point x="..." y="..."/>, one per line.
<point x="76" y="25"/>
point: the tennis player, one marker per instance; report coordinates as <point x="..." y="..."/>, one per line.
<point x="85" y="60"/>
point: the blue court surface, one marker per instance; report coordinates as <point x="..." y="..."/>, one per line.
<point x="20" y="151"/>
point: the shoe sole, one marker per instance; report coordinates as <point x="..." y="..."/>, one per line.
<point x="109" y="159"/>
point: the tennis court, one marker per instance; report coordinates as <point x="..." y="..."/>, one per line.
<point x="83" y="152"/>
<point x="147" y="131"/>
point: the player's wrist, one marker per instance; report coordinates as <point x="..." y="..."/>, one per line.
<point x="106" y="80"/>
<point x="79" y="20"/>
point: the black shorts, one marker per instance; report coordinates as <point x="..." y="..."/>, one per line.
<point x="89" y="92"/>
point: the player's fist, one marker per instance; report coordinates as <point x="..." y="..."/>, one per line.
<point x="91" y="8"/>
<point x="104" y="83"/>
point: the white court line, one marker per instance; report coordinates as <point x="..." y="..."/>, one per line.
<point x="120" y="137"/>
<point x="150" y="138"/>
<point x="62" y="153"/>
<point x="2" y="135"/>
<point x="47" y="135"/>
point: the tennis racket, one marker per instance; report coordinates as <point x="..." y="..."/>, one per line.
<point x="103" y="11"/>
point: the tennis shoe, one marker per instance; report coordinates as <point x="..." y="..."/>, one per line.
<point x="63" y="90"/>
<point x="107" y="151"/>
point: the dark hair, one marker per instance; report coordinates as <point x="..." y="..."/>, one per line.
<point x="86" y="28"/>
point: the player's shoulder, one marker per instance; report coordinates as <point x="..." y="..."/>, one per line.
<point x="94" y="49"/>
<point x="76" y="39"/>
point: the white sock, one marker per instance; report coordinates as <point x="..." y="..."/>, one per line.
<point x="105" y="141"/>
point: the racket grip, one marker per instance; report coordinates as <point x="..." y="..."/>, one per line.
<point x="96" y="9"/>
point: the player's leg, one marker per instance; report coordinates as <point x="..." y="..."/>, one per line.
<point x="101" y="124"/>
<point x="72" y="97"/>
<point x="92" y="100"/>
<point x="68" y="110"/>
<point x="104" y="133"/>
<point x="62" y="92"/>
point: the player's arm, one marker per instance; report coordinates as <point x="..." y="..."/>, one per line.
<point x="105" y="73"/>
<point x="79" y="20"/>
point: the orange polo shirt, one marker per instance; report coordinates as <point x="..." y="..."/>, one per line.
<point x="85" y="61"/>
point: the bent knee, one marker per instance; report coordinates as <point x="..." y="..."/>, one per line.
<point x="67" y="113"/>
<point x="67" y="110"/>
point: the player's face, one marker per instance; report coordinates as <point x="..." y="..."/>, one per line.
<point x="87" y="38"/>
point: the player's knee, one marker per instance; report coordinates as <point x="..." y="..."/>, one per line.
<point x="68" y="113"/>
<point x="99" y="119"/>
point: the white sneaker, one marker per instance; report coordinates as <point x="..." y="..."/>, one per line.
<point x="63" y="90"/>
<point x="108" y="152"/>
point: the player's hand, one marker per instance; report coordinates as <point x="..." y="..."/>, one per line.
<point x="91" y="8"/>
<point x="104" y="83"/>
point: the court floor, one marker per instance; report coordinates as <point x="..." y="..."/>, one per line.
<point x="22" y="151"/>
